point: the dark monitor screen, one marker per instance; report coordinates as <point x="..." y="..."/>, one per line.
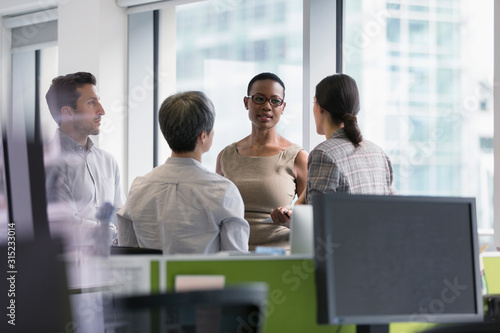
<point x="383" y="259"/>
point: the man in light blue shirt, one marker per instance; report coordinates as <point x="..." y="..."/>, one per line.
<point x="180" y="206"/>
<point x="80" y="177"/>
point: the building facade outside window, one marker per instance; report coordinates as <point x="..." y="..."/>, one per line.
<point x="425" y="73"/>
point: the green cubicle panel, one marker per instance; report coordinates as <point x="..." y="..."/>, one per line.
<point x="292" y="293"/>
<point x="491" y="264"/>
<point x="155" y="276"/>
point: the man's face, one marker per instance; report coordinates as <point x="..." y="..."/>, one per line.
<point x="88" y="112"/>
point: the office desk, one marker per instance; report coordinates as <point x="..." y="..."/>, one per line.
<point x="292" y="294"/>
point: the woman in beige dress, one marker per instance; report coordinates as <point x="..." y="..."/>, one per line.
<point x="268" y="170"/>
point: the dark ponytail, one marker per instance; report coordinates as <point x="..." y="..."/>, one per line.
<point x="352" y="130"/>
<point x="338" y="94"/>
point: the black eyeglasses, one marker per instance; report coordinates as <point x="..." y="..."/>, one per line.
<point x="259" y="99"/>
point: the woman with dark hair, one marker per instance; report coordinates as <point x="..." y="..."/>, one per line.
<point x="268" y="170"/>
<point x="344" y="162"/>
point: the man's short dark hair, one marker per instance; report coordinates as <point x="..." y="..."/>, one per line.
<point x="62" y="91"/>
<point x="183" y="117"/>
<point x="265" y="76"/>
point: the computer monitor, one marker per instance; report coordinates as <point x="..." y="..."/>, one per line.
<point x="383" y="259"/>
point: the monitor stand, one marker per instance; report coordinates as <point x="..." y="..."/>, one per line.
<point x="375" y="328"/>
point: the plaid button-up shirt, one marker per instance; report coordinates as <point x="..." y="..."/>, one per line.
<point x="336" y="165"/>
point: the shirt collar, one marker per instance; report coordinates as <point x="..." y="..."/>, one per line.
<point x="69" y="144"/>
<point x="340" y="133"/>
<point x="183" y="161"/>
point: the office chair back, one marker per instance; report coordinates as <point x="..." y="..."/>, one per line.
<point x="127" y="250"/>
<point x="232" y="309"/>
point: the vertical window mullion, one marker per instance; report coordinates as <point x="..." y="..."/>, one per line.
<point x="156" y="53"/>
<point x="339" y="35"/>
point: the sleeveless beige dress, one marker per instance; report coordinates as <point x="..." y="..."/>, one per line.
<point x="265" y="183"/>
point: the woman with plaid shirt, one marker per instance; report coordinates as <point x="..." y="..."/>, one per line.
<point x="345" y="162"/>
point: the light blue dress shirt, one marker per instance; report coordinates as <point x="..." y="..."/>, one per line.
<point x="78" y="183"/>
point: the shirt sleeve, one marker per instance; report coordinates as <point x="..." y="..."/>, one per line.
<point x="119" y="195"/>
<point x="234" y="229"/>
<point x="392" y="186"/>
<point x="323" y="175"/>
<point x="126" y="232"/>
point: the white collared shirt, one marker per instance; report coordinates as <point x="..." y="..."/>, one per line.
<point x="181" y="207"/>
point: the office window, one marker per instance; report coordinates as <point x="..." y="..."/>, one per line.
<point x="419" y="129"/>
<point x="418" y="31"/>
<point x="393" y="30"/>
<point x="280" y="11"/>
<point x="249" y="37"/>
<point x="392" y="122"/>
<point x="448" y="4"/>
<point x="418" y="55"/>
<point x="224" y="21"/>
<point x="261" y="50"/>
<point x="393" y="6"/>
<point x="446" y="130"/>
<point x="419" y="80"/>
<point x="417" y="180"/>
<point x="446" y="81"/>
<point x="396" y="76"/>
<point x="436" y="127"/>
<point x="419" y="8"/>
<point x="260" y="13"/>
<point x="447" y="34"/>
<point x="486" y="144"/>
<point x="446" y="183"/>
